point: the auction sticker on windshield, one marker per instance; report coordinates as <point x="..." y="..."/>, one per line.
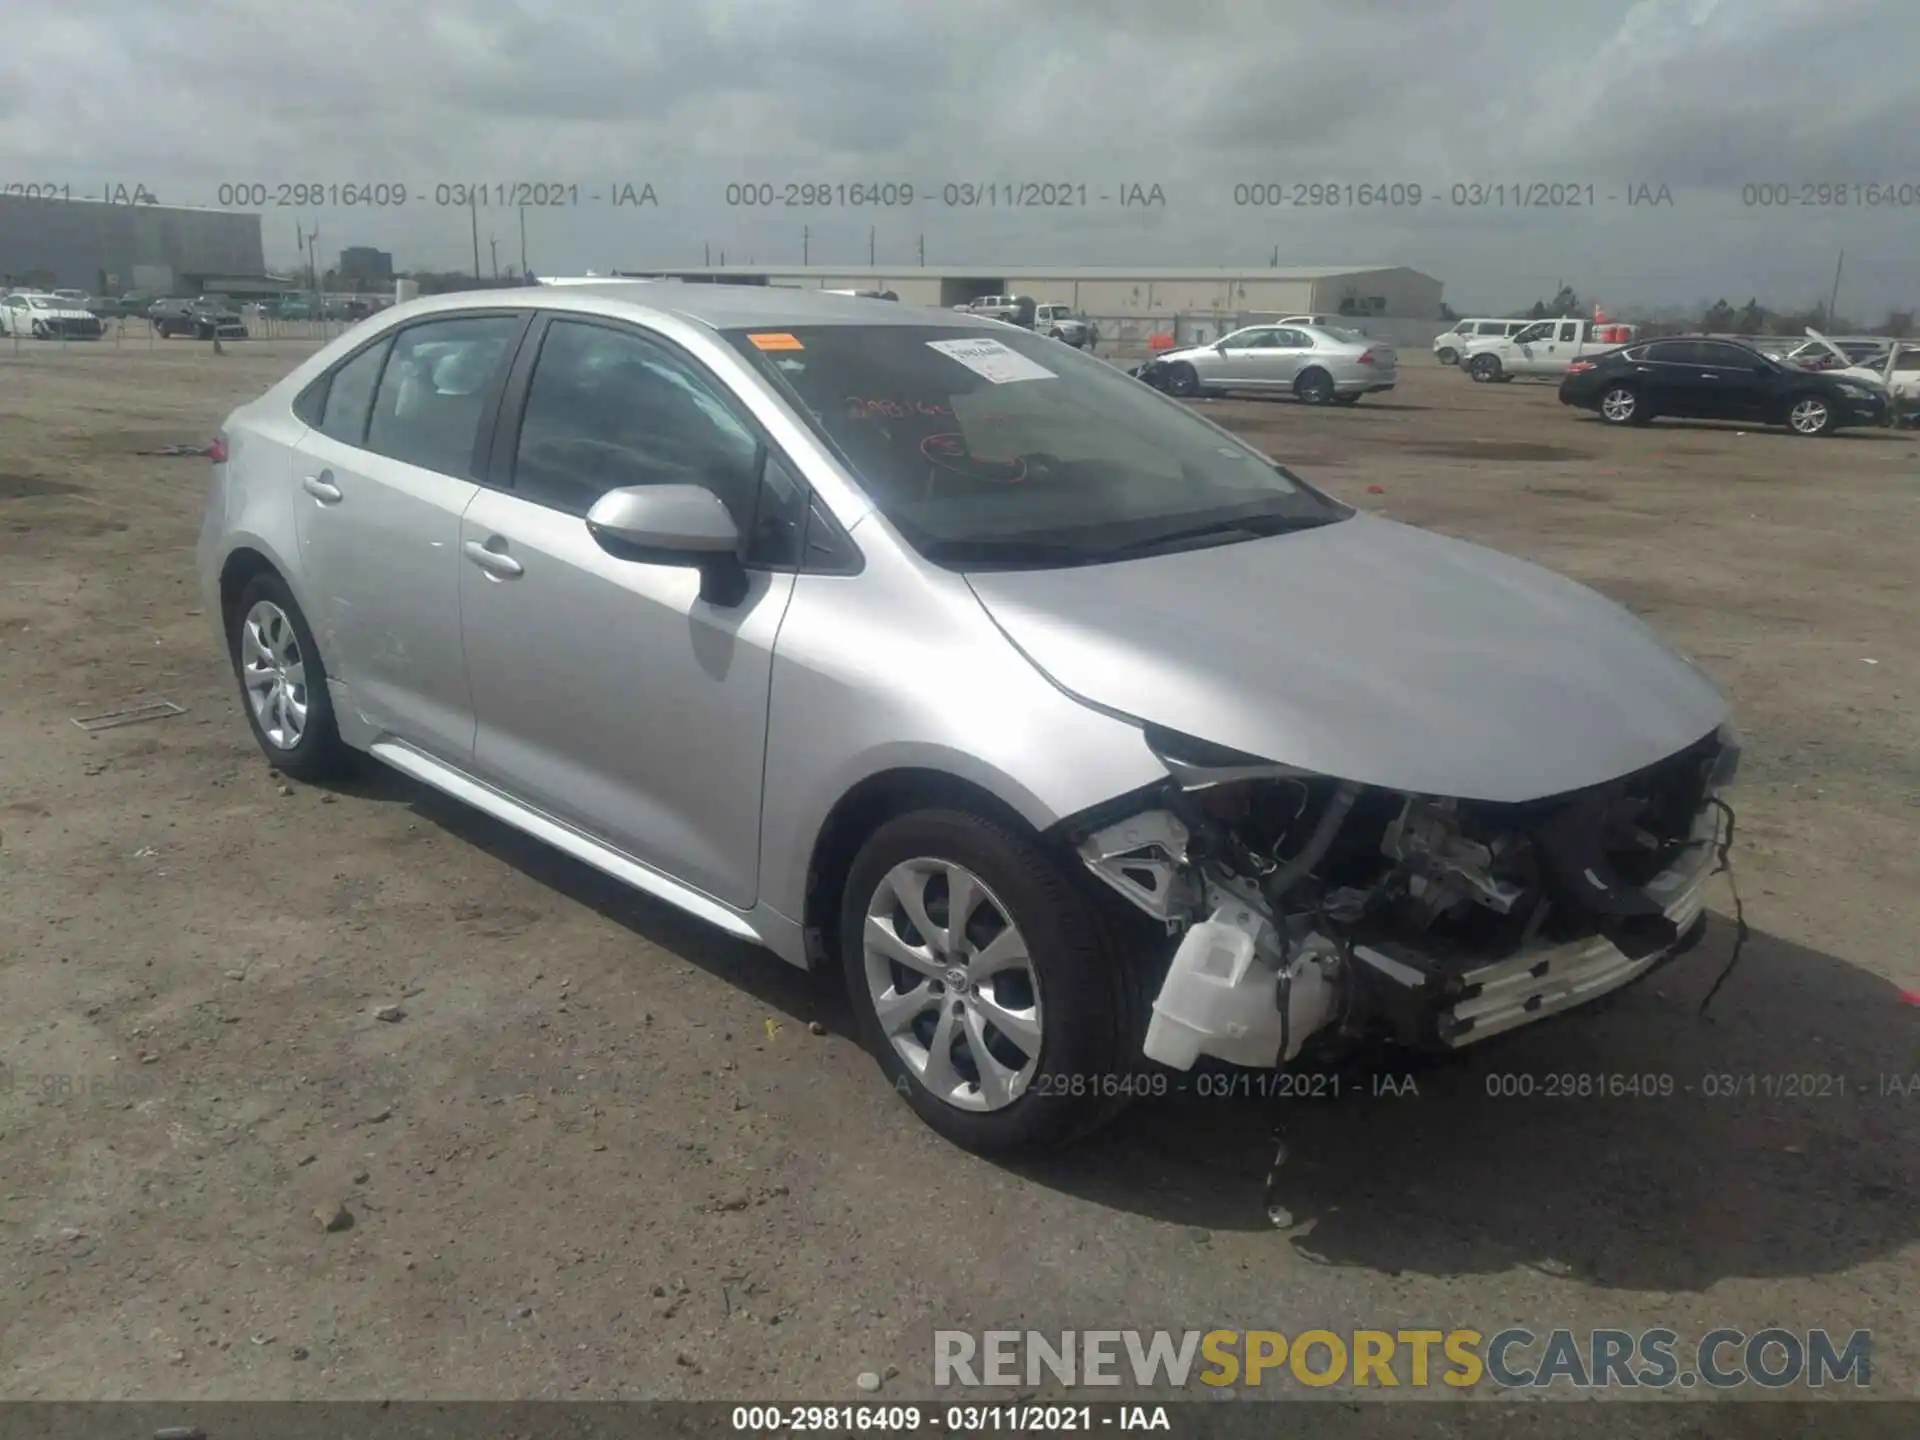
<point x="991" y="360"/>
<point x="776" y="342"/>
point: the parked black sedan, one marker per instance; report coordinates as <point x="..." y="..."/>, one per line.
<point x="1697" y="377"/>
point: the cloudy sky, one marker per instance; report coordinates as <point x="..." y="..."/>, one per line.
<point x="1759" y="117"/>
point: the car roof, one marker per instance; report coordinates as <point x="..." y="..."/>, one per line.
<point x="720" y="307"/>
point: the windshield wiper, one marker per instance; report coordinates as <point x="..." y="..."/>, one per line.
<point x="1251" y="527"/>
<point x="1008" y="552"/>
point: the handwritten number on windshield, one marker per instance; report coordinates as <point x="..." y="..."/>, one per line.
<point x="861" y="407"/>
<point x="950" y="452"/>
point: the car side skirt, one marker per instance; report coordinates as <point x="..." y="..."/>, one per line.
<point x="759" y="926"/>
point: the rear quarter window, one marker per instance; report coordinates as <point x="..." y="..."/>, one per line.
<point x="348" y="396"/>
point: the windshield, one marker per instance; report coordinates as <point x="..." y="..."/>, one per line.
<point x="1010" y="449"/>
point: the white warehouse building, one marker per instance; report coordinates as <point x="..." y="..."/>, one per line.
<point x="1198" y="302"/>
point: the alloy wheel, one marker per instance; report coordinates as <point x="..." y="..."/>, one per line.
<point x="275" y="675"/>
<point x="952" y="984"/>
<point x="1809" y="416"/>
<point x="1618" y="405"/>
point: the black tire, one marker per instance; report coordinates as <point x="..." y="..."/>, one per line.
<point x="1346" y="399"/>
<point x="1182" y="380"/>
<point x="1447" y="355"/>
<point x="1484" y="368"/>
<point x="1314" y="387"/>
<point x="1830" y="415"/>
<point x="320" y="753"/>
<point x="1090" y="984"/>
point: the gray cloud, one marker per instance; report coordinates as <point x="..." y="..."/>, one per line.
<point x="1702" y="96"/>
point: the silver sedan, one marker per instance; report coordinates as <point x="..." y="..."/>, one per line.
<point x="1318" y="364"/>
<point x="1080" y="736"/>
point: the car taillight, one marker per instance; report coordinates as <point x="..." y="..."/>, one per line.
<point x="1577" y="366"/>
<point x="1366" y="358"/>
<point x="217" y="451"/>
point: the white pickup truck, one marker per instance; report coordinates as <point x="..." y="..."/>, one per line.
<point x="1543" y="350"/>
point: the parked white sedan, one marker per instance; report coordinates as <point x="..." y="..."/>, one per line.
<point x="36" y="315"/>
<point x="1319" y="364"/>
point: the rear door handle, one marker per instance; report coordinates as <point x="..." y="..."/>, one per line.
<point x="322" y="488"/>
<point x="492" y="561"/>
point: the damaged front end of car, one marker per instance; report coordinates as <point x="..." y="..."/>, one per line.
<point x="1311" y="909"/>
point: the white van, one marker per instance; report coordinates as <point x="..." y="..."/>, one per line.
<point x="1448" y="348"/>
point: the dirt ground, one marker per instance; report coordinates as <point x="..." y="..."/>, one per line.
<point x="604" y="1154"/>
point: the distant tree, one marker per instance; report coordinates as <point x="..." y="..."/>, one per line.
<point x="1898" y="324"/>
<point x="1719" y="318"/>
<point x="1565" y="302"/>
<point x="1538" y="312"/>
<point x="1752" y="319"/>
<point x="1447" y="313"/>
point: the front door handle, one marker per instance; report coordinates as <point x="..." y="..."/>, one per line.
<point x="322" y="488"/>
<point x="492" y="561"/>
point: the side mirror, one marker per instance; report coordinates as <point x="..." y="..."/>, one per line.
<point x="673" y="525"/>
<point x="1219" y="347"/>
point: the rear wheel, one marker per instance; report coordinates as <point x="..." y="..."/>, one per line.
<point x="987" y="983"/>
<point x="1621" y="405"/>
<point x="283" y="682"/>
<point x="1315" y="387"/>
<point x="1484" y="368"/>
<point x="1811" y="415"/>
<point x="1346" y="399"/>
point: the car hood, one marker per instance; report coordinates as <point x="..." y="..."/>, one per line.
<point x="1367" y="651"/>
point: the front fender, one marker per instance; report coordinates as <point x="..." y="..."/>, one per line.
<point x="897" y="669"/>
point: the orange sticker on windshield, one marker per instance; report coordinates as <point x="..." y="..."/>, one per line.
<point x="776" y="342"/>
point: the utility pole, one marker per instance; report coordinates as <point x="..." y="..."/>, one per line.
<point x="1833" y="298"/>
<point x="523" y="242"/>
<point x="870" y="235"/>
<point x="806" y="236"/>
<point x="473" y="215"/>
<point x="706" y="253"/>
<point x="923" y="248"/>
<point x="313" y="256"/>
<point x="493" y="245"/>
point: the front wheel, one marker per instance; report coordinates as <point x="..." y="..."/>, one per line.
<point x="1183" y="380"/>
<point x="987" y="983"/>
<point x="1811" y="415"/>
<point x="1346" y="399"/>
<point x="1484" y="368"/>
<point x="1447" y="355"/>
